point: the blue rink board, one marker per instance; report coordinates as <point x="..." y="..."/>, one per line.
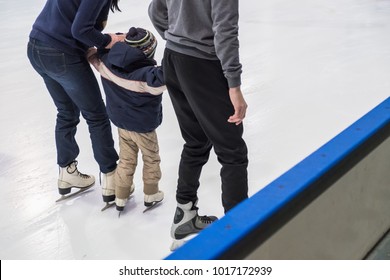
<point x="243" y="220"/>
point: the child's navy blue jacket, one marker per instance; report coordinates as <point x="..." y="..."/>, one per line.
<point x="133" y="85"/>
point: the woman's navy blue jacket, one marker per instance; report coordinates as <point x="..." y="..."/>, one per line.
<point x="133" y="85"/>
<point x="73" y="26"/>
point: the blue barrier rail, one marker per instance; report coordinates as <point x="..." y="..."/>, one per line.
<point x="252" y="222"/>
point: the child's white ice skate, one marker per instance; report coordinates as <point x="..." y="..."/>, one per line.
<point x="151" y="200"/>
<point x="121" y="202"/>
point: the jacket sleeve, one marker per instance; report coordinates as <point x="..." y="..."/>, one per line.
<point x="158" y="14"/>
<point x="154" y="76"/>
<point x="225" y="27"/>
<point x="93" y="58"/>
<point x="83" y="27"/>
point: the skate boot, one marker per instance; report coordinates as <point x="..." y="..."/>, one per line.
<point x="108" y="188"/>
<point x="70" y="177"/>
<point x="121" y="202"/>
<point x="151" y="200"/>
<point x="187" y="223"/>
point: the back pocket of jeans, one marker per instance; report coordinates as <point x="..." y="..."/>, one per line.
<point x="53" y="62"/>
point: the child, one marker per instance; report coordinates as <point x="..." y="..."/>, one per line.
<point x="133" y="85"/>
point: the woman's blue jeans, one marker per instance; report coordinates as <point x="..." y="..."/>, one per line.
<point x="74" y="89"/>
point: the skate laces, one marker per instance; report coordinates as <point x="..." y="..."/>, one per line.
<point x="74" y="166"/>
<point x="205" y="219"/>
<point x="84" y="176"/>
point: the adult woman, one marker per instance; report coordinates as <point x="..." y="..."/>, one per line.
<point x="59" y="40"/>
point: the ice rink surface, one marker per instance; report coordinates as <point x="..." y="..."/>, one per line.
<point x="311" y="68"/>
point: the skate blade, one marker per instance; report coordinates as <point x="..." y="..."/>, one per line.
<point x="108" y="205"/>
<point x="177" y="243"/>
<point x="66" y="197"/>
<point x="155" y="203"/>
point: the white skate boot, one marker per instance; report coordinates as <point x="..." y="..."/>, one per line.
<point x="150" y="200"/>
<point x="187" y="223"/>
<point x="108" y="188"/>
<point x="69" y="178"/>
<point x="121" y="202"/>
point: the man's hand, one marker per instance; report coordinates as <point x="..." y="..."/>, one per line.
<point x="239" y="105"/>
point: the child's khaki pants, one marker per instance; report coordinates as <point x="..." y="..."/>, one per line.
<point x="129" y="144"/>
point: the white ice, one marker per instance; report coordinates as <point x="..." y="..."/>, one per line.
<point x="311" y="68"/>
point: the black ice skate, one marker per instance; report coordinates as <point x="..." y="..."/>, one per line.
<point x="187" y="223"/>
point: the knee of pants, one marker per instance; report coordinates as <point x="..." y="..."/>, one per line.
<point x="67" y="119"/>
<point x="236" y="156"/>
<point x="96" y="116"/>
<point x="202" y="150"/>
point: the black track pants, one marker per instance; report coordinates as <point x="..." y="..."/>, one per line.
<point x="200" y="97"/>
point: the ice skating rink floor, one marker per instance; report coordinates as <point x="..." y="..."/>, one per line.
<point x="311" y="68"/>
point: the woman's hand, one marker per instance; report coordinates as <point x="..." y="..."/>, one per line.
<point x="115" y="38"/>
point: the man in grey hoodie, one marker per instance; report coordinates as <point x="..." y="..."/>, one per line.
<point x="202" y="72"/>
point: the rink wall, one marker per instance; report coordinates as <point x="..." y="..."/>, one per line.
<point x="334" y="204"/>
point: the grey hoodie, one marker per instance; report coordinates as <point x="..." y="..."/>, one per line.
<point x="202" y="28"/>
